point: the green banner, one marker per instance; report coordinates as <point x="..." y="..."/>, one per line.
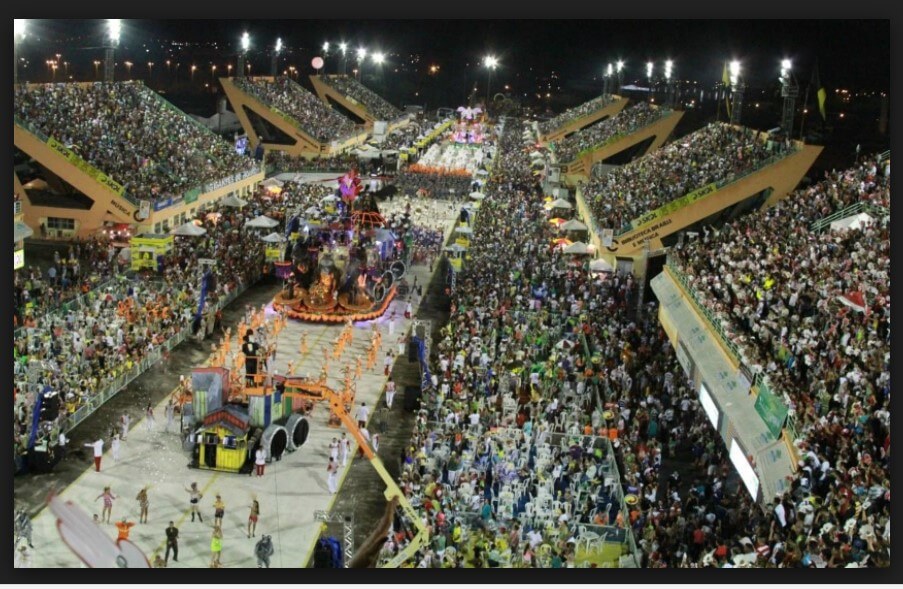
<point x="771" y="409"/>
<point x="192" y="195"/>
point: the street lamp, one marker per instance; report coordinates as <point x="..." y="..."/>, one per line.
<point x="245" y="45"/>
<point x="193" y="69"/>
<point x="150" y="70"/>
<point x="229" y="69"/>
<point x="213" y="72"/>
<point x="114" y="30"/>
<point x="274" y="65"/>
<point x="96" y="66"/>
<point x="19" y="27"/>
<point x="128" y="67"/>
<point x="490" y="62"/>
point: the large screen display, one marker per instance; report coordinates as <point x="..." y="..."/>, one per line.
<point x="709" y="405"/>
<point x="744" y="469"/>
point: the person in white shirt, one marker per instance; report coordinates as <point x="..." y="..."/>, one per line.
<point x="363" y="412"/>
<point x="260" y="461"/>
<point x="126" y="420"/>
<point x="332" y="470"/>
<point x="344" y="449"/>
<point x="114" y="447"/>
<point x="334" y="448"/>
<point x="170" y="414"/>
<point x="390" y="393"/>
<point x="98" y="452"/>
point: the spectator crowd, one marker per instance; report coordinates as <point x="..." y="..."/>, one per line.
<point x="378" y="106"/>
<point x="716" y="153"/>
<point x="130" y="134"/>
<point x="572" y="114"/>
<point x="315" y="117"/>
<point x="625" y="122"/>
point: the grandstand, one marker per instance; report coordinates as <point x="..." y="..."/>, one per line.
<point x="632" y="133"/>
<point x="282" y="115"/>
<point x="583" y="115"/>
<point x="773" y="334"/>
<point x="705" y="178"/>
<point x="118" y="153"/>
<point x="362" y="102"/>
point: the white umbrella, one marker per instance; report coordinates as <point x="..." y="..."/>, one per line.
<point x="189" y="229"/>
<point x="272" y="182"/>
<point x="573" y="225"/>
<point x="477" y="195"/>
<point x="233" y="201"/>
<point x="273" y="238"/>
<point x="464" y="230"/>
<point x="262" y="221"/>
<point x="560" y="204"/>
<point x="578" y="247"/>
<point x="600" y="265"/>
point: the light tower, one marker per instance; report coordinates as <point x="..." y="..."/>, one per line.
<point x="361" y="56"/>
<point x="649" y="69"/>
<point x="606" y="86"/>
<point x="737" y="88"/>
<point x="669" y="84"/>
<point x="619" y="68"/>
<point x="274" y="64"/>
<point x="789" y="91"/>
<point x="245" y="45"/>
<point x="343" y="47"/>
<point x="491" y="62"/>
<point x="18" y="35"/>
<point x="114" y="28"/>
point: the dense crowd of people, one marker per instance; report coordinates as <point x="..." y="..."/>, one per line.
<point x="715" y="153"/>
<point x="410" y="183"/>
<point x="778" y="288"/>
<point x="127" y="132"/>
<point x="598" y="134"/>
<point x="571" y="114"/>
<point x="376" y="104"/>
<point x="315" y="117"/>
<point x="282" y="162"/>
<point x="504" y="465"/>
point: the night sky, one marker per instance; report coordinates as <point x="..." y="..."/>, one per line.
<point x="850" y="53"/>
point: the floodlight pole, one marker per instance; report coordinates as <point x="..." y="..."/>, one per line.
<point x="737" y="89"/>
<point x="789" y="91"/>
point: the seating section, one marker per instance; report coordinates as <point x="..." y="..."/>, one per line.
<point x="572" y="114"/>
<point x="625" y="122"/>
<point x="376" y="104"/>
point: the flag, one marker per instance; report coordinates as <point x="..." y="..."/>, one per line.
<point x="726" y="81"/>
<point x="820" y="92"/>
<point x="856" y="300"/>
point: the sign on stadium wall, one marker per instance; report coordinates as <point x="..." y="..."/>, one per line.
<point x="674" y="205"/>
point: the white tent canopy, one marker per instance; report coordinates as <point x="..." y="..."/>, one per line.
<point x="573" y="225"/>
<point x="189" y="229"/>
<point x="21" y="231"/>
<point x="262" y="221"/>
<point x="477" y="195"/>
<point x="233" y="201"/>
<point x="600" y="265"/>
<point x="456" y="247"/>
<point x="464" y="230"/>
<point x="272" y="182"/>
<point x="851" y="222"/>
<point x="560" y="204"/>
<point x="273" y="238"/>
<point x="578" y="247"/>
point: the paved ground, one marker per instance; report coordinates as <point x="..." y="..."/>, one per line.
<point x="289" y="492"/>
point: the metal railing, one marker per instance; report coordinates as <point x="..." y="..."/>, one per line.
<point x="854" y="209"/>
<point x="703" y="310"/>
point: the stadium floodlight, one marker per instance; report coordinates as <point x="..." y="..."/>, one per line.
<point x="18" y="35"/>
<point x="361" y="53"/>
<point x="785" y="68"/>
<point x="491" y="61"/>
<point x="620" y="65"/>
<point x="734" y="68"/>
<point x="114" y="29"/>
<point x="343" y="47"/>
<point x="326" y="46"/>
<point x="609" y="70"/>
<point x="378" y="58"/>
<point x="649" y="66"/>
<point x="18" y="28"/>
<point x="278" y="44"/>
<point x="245" y="41"/>
<point x="669" y="65"/>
